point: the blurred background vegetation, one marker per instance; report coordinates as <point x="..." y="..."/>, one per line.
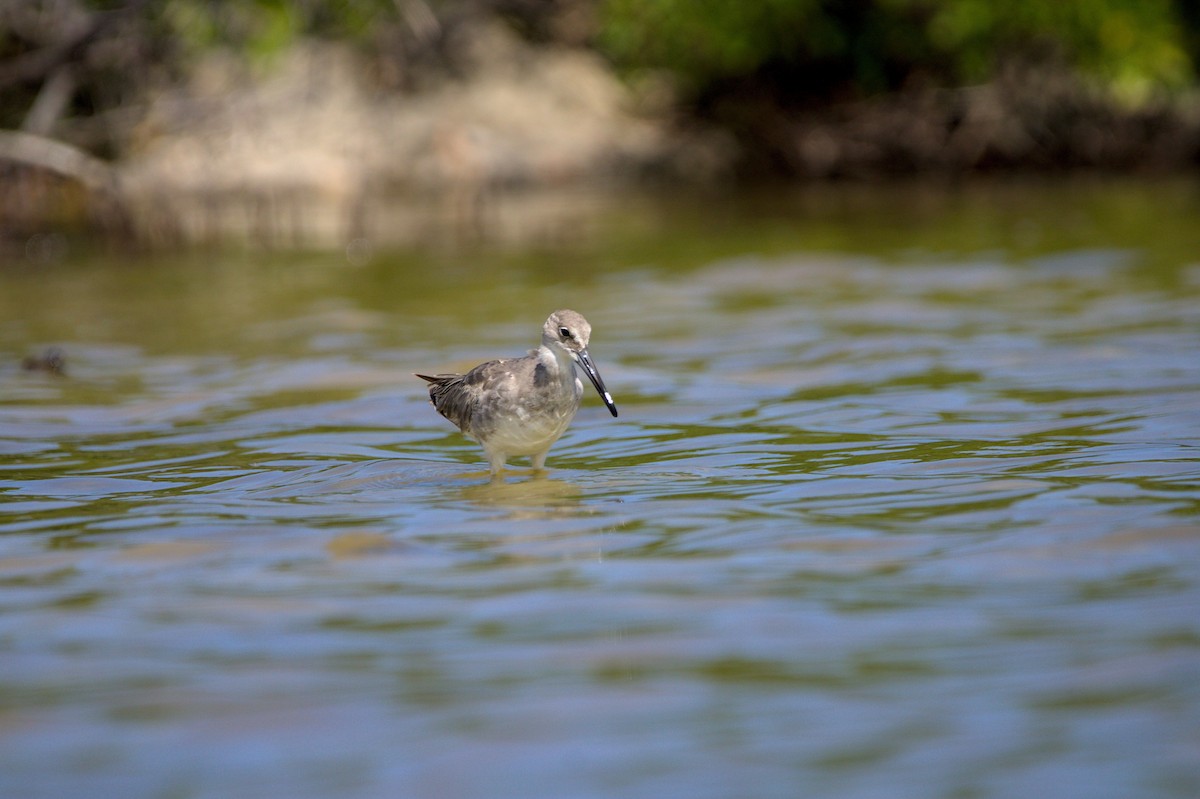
<point x="800" y="52"/>
<point x="801" y="88"/>
<point x="811" y="49"/>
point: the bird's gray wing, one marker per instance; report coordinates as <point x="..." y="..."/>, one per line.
<point x="460" y="398"/>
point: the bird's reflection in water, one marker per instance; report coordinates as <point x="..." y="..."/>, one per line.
<point x="548" y="495"/>
<point x="536" y="520"/>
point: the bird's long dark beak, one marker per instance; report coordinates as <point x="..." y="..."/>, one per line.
<point x="585" y="361"/>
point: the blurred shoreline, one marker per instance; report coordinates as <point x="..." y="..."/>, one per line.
<point x="309" y="151"/>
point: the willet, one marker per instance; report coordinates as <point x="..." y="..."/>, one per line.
<point x="520" y="406"/>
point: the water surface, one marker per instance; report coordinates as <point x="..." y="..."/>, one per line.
<point x="904" y="500"/>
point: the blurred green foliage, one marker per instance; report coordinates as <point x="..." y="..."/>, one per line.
<point x="778" y="53"/>
<point x="820" y="46"/>
<point x="265" y="28"/>
<point x="807" y="46"/>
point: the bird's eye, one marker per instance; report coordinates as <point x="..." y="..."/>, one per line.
<point x="565" y="333"/>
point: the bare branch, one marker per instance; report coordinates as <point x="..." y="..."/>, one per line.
<point x="51" y="101"/>
<point x="62" y="159"/>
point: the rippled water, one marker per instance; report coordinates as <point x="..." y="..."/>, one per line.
<point x="904" y="501"/>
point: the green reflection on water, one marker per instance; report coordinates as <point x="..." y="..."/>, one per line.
<point x="216" y="301"/>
